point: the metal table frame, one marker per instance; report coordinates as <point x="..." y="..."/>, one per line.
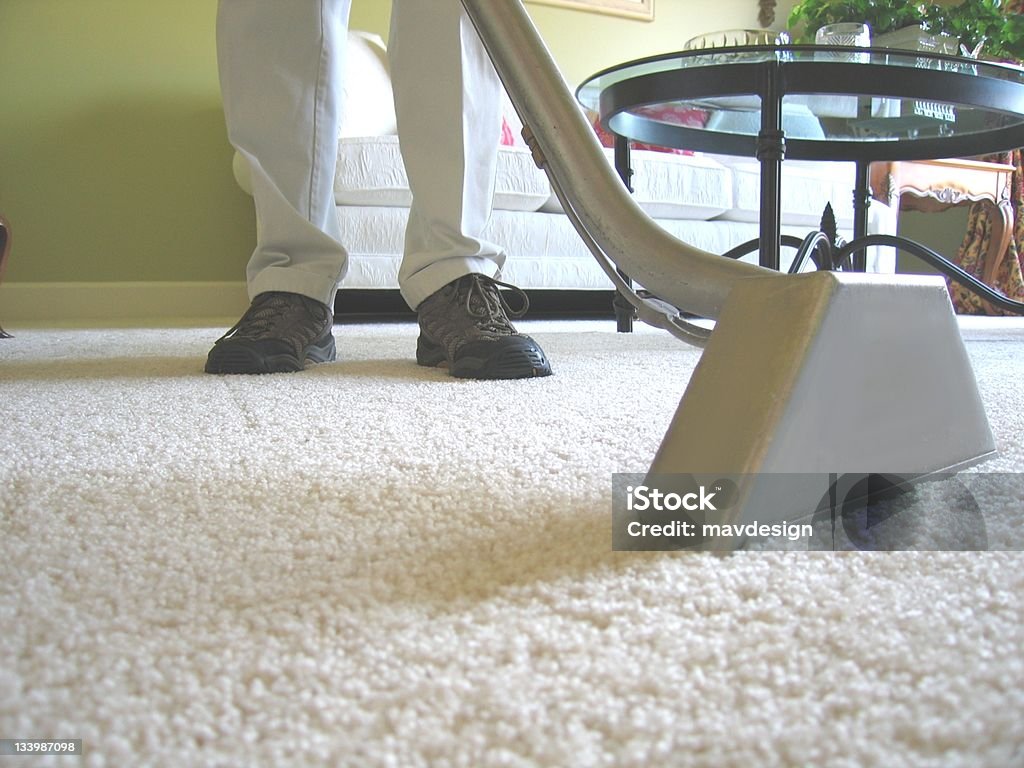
<point x="773" y="72"/>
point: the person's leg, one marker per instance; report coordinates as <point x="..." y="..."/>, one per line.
<point x="280" y="69"/>
<point x="448" y="105"/>
<point x="449" y="119"/>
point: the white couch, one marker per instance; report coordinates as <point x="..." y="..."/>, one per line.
<point x="708" y="201"/>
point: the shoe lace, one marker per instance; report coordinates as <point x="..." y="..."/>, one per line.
<point x="485" y="300"/>
<point x="262" y="318"/>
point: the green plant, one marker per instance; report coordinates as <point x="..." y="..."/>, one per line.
<point x="971" y="21"/>
<point x="980" y="21"/>
<point x="882" y="16"/>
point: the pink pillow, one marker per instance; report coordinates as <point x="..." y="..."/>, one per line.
<point x="672" y="114"/>
<point x="508" y="137"/>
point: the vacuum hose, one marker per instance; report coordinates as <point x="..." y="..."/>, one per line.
<point x="691" y="279"/>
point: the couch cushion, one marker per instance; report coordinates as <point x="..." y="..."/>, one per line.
<point x="368" y="106"/>
<point x="672" y="186"/>
<point x="370" y="172"/>
<point x="806" y="187"/>
<point x="797" y="120"/>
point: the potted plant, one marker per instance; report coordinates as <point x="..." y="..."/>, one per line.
<point x="973" y="22"/>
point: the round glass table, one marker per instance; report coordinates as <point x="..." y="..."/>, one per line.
<point x="810" y="102"/>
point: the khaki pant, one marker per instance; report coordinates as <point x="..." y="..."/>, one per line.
<point x="281" y="63"/>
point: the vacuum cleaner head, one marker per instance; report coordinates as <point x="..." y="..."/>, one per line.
<point x="828" y="374"/>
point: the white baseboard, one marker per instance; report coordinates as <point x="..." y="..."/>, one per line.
<point x="55" y="304"/>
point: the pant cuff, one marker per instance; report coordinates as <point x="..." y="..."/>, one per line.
<point x="294" y="280"/>
<point x="429" y="280"/>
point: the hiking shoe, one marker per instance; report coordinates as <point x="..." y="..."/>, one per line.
<point x="280" y="332"/>
<point x="466" y="325"/>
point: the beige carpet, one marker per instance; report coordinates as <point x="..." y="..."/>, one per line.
<point x="371" y="564"/>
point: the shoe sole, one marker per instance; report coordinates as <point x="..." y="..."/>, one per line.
<point x="514" y="357"/>
<point x="243" y="360"/>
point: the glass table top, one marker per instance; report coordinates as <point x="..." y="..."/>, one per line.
<point x="851" y="103"/>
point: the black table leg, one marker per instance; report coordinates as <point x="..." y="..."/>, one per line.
<point x="625" y="313"/>
<point x="861" y="204"/>
<point x="771" y="150"/>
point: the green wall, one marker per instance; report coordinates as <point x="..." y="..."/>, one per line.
<point x="110" y="131"/>
<point x="114" y="164"/>
<point x="113" y="161"/>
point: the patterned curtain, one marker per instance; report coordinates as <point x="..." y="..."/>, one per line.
<point x="972" y="254"/>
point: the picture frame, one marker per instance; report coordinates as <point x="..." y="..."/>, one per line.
<point x="632" y="9"/>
